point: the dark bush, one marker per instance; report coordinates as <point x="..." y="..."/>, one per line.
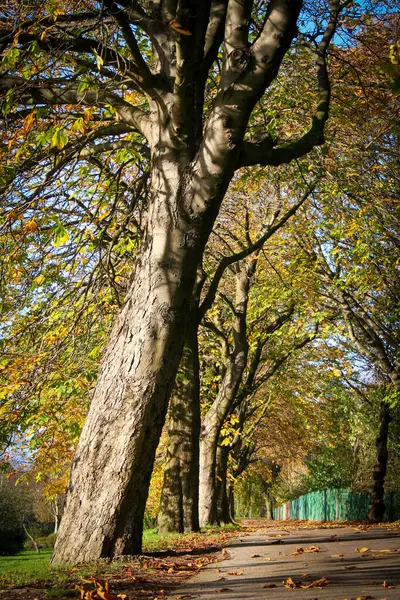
<point x="12" y="533"/>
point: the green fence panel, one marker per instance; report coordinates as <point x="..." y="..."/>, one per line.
<point x="336" y="505"/>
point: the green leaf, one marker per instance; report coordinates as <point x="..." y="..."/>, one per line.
<point x="59" y="139"/>
<point x="61" y="235"/>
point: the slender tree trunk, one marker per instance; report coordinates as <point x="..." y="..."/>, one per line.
<point x="269" y="506"/>
<point x="180" y="492"/>
<point x="111" y="472"/>
<point x="207" y="488"/>
<point x="56" y="514"/>
<point x="377" y="509"/>
<point x="231" y="501"/>
<point x="217" y="413"/>
<point x="223" y="515"/>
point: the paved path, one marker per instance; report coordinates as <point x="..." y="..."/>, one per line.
<point x="261" y="560"/>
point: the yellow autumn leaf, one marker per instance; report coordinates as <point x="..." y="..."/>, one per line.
<point x="289" y="583"/>
<point x="80" y="125"/>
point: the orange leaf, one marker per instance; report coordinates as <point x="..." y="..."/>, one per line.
<point x="178" y="27"/>
<point x="318" y="583"/>
<point x="31" y="226"/>
<point x="28" y="122"/>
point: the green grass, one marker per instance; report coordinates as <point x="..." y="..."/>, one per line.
<point x="153" y="542"/>
<point x="29" y="567"/>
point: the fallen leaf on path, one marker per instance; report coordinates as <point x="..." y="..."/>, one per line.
<point x="101" y="591"/>
<point x="289" y="583"/>
<point x="255" y="556"/>
<point x="305" y="575"/>
<point x="364" y="597"/>
<point x="222" y="579"/>
<point x="268" y="558"/>
<point x="312" y="549"/>
<point x="337" y="555"/>
<point x="333" y="538"/>
<point x="235" y="572"/>
<point x="318" y="583"/>
<point x="361" y="549"/>
<point x="387" y="585"/>
<point x="223" y="590"/>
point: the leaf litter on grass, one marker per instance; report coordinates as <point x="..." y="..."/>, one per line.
<point x="145" y="576"/>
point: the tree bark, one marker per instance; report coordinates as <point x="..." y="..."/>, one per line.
<point x="269" y="506"/>
<point x="111" y="472"/>
<point x="223" y="513"/>
<point x="377" y="510"/>
<point x="231" y="500"/>
<point x="180" y="492"/>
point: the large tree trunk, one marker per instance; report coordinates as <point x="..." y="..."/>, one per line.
<point x="114" y="459"/>
<point x="180" y="493"/>
<point x="377" y="509"/>
<point x="223" y="514"/>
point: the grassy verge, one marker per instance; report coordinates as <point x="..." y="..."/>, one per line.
<point x="30" y="567"/>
